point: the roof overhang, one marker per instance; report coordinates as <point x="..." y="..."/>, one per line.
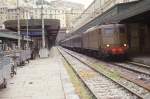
<point x="52" y="27"/>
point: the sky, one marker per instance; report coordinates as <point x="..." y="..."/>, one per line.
<point x="84" y="2"/>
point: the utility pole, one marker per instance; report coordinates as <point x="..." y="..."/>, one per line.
<point x="27" y="29"/>
<point x="43" y="29"/>
<point x="44" y="52"/>
<point x="18" y="22"/>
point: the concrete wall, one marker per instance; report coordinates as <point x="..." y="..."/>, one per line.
<point x="145" y="32"/>
<point x="139" y="38"/>
<point x="133" y="38"/>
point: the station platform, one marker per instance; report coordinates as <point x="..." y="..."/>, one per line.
<point x="41" y="79"/>
<point x="141" y="59"/>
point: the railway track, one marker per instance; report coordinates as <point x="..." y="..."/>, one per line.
<point x="100" y="84"/>
<point x="133" y="73"/>
<point x="145" y="72"/>
<point x="139" y="64"/>
<point x="123" y="80"/>
<point x="142" y="70"/>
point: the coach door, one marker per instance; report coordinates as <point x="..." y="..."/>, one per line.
<point x="100" y="42"/>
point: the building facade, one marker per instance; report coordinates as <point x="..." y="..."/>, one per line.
<point x="3" y="16"/>
<point x="49" y="13"/>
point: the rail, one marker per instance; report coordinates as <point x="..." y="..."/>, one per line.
<point x="90" y="91"/>
<point x="105" y="74"/>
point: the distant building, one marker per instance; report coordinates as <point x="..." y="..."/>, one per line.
<point x="72" y="10"/>
<point x="12" y="13"/>
<point x="63" y="10"/>
<point x="49" y="13"/>
<point x="3" y="16"/>
<point x="8" y="10"/>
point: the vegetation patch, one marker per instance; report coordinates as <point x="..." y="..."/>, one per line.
<point x="106" y="71"/>
<point x="87" y="74"/>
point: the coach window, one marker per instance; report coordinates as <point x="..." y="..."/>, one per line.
<point x="108" y="32"/>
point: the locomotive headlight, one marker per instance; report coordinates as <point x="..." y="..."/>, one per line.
<point x="108" y="45"/>
<point x="125" y="45"/>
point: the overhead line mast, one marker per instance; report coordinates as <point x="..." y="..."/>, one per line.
<point x="44" y="52"/>
<point x="18" y="22"/>
<point x="43" y="28"/>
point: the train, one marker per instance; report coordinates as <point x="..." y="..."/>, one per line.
<point x="104" y="41"/>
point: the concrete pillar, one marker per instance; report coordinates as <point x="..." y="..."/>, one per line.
<point x="139" y="38"/>
<point x="144" y="38"/>
<point x="134" y="38"/>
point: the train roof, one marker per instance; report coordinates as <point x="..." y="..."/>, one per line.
<point x="101" y="26"/>
<point x="91" y="29"/>
<point x="72" y="37"/>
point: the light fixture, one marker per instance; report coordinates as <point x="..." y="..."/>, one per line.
<point x="125" y="45"/>
<point x="108" y="45"/>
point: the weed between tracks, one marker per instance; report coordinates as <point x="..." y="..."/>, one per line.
<point x="110" y="73"/>
<point x="79" y="86"/>
<point x="87" y="74"/>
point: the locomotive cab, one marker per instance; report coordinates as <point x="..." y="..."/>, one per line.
<point x="114" y="39"/>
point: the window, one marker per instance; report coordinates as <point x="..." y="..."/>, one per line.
<point x="108" y="31"/>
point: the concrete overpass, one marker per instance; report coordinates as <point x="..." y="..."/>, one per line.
<point x="118" y="13"/>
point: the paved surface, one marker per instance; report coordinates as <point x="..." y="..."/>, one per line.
<point x="41" y="79"/>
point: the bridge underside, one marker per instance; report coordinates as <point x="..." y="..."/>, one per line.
<point x="142" y="18"/>
<point x="118" y="13"/>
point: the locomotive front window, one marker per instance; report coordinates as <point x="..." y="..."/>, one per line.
<point x="108" y="32"/>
